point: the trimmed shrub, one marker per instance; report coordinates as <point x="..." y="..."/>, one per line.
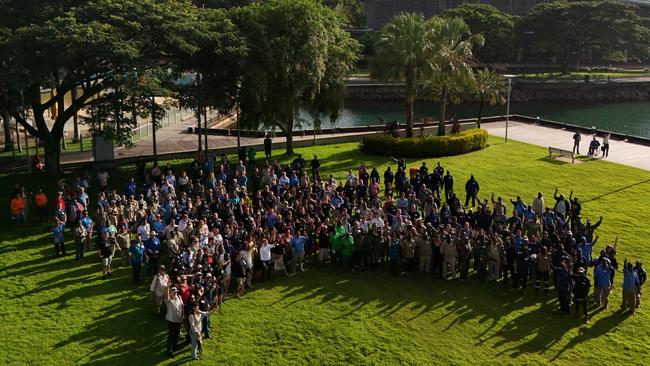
<point x="425" y="146"/>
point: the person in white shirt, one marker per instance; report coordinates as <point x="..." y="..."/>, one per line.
<point x="143" y="230"/>
<point x="538" y="205"/>
<point x="174" y="318"/>
<point x="159" y="288"/>
<point x="196" y="327"/>
<point x="266" y="258"/>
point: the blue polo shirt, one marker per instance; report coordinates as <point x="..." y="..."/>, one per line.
<point x="298" y="244"/>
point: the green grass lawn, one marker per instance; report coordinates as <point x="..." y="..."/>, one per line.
<point x="56" y="311"/>
<point x="70" y="147"/>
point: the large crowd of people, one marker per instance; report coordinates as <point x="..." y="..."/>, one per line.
<point x="210" y="232"/>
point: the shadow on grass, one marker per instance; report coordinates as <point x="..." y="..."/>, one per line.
<point x="618" y="190"/>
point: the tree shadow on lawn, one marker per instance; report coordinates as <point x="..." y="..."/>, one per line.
<point x="596" y="198"/>
<point x="533" y="331"/>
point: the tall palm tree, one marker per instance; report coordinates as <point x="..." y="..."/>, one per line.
<point x="401" y="55"/>
<point x="451" y="73"/>
<point x="489" y="88"/>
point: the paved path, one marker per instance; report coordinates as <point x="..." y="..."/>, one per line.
<point x="619" y="151"/>
<point x="176" y="139"/>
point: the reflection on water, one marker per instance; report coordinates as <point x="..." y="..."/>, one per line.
<point x="624" y="117"/>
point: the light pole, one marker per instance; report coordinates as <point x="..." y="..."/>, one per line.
<point x="509" y="77"/>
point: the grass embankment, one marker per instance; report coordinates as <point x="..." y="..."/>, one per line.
<point x="57" y="311"/>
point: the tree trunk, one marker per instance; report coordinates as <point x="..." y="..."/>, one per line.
<point x="75" y="120"/>
<point x="289" y="142"/>
<point x="52" y="149"/>
<point x="198" y="131"/>
<point x="411" y="91"/>
<point x="443" y="107"/>
<point x="205" y="125"/>
<point x="480" y="111"/>
<point x="9" y="140"/>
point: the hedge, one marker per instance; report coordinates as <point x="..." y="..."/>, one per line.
<point x="427" y="146"/>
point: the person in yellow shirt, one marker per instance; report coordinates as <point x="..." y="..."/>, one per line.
<point x="40" y="199"/>
<point x="17" y="206"/>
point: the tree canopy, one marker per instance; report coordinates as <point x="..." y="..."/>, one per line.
<point x="298" y="58"/>
<point x="586" y="31"/>
<point x="496" y="27"/>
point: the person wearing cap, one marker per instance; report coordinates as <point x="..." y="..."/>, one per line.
<point x="159" y="288"/>
<point x="136" y="253"/>
<point x="175" y="315"/>
<point x="581" y="286"/>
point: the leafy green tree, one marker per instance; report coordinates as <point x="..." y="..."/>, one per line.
<point x="586" y="31"/>
<point x="489" y="89"/>
<point x="298" y="56"/>
<point x="451" y="75"/>
<point x="66" y="45"/>
<point x="497" y="28"/>
<point x="402" y="53"/>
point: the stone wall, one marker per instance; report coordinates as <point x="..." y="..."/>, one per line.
<point x="524" y="92"/>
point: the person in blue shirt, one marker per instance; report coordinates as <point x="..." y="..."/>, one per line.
<point x="130" y="188"/>
<point x="520" y="206"/>
<point x="152" y="250"/>
<point x="82" y="197"/>
<point x="602" y="282"/>
<point x="59" y="240"/>
<point x="630" y="287"/>
<point x="298" y="246"/>
<point x="136" y="253"/>
<point x="587" y="249"/>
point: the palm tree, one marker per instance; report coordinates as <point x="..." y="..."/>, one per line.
<point x="489" y="88"/>
<point x="451" y="74"/>
<point x="401" y="55"/>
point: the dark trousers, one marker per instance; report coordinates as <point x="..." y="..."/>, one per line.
<point x="79" y="245"/>
<point x="394" y="267"/>
<point x="152" y="267"/>
<point x="267" y="270"/>
<point x="473" y="197"/>
<point x="464" y="268"/>
<point x="521" y="279"/>
<point x="136" y="268"/>
<point x="448" y="193"/>
<point x="539" y="276"/>
<point x="59" y="249"/>
<point x="173" y="332"/>
<point x="42" y="213"/>
<point x="576" y="147"/>
<point x="606" y="150"/>
<point x="563" y="299"/>
<point x="508" y="268"/>
<point x="582" y="302"/>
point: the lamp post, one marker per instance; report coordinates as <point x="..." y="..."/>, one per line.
<point x="509" y="77"/>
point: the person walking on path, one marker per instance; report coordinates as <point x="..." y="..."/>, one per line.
<point x="576" y="143"/>
<point x="174" y="317"/>
<point x="606" y="145"/>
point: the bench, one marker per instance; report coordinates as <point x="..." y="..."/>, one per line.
<point x="561" y="152"/>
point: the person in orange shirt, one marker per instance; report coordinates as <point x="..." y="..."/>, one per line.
<point x="18" y="209"/>
<point x="41" y="204"/>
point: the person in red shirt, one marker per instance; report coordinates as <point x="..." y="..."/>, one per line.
<point x="17" y="206"/>
<point x="41" y="205"/>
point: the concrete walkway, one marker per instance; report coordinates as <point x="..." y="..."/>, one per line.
<point x="176" y="139"/>
<point x="621" y="152"/>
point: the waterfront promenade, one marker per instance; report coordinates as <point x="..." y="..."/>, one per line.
<point x="176" y="140"/>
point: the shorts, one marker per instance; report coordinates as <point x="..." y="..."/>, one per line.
<point x="106" y="261"/>
<point x="323" y="254"/>
<point x="240" y="281"/>
<point x="158" y="299"/>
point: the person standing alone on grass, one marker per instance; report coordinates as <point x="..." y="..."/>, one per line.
<point x="471" y="188"/>
<point x="576" y="143"/>
<point x="606" y="145"/>
<point x="267" y="146"/>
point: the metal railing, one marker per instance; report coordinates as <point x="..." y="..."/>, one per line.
<point x="173" y="116"/>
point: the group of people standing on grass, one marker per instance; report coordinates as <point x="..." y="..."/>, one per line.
<point x="212" y="231"/>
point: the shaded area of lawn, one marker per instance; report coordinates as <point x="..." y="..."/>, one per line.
<point x="59" y="311"/>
